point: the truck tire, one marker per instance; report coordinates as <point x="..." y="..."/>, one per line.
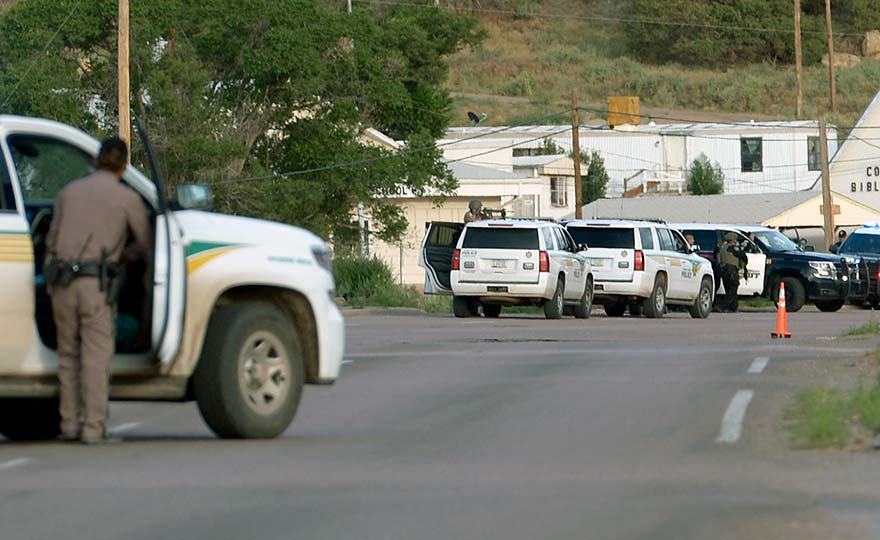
<point x="491" y="311"/>
<point x="585" y="306"/>
<point x="463" y="306"/>
<point x="29" y="419"/>
<point x="795" y="295"/>
<point x="702" y="306"/>
<point x="554" y="306"/>
<point x="249" y="379"/>
<point x="654" y="306"/>
<point x="616" y="309"/>
<point x="829" y="306"/>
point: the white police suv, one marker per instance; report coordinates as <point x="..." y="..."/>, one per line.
<point x="495" y="263"/>
<point x="644" y="266"/>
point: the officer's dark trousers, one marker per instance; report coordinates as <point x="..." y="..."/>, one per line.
<point x="730" y="278"/>
<point x="85" y="348"/>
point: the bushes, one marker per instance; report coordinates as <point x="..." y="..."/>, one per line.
<point x="704" y="179"/>
<point x="366" y="282"/>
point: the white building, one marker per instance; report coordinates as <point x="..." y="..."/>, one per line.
<point x="855" y="170"/>
<point x="763" y="157"/>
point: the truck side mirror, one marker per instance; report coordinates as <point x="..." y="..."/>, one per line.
<point x="809" y="247"/>
<point x="582" y="247"/>
<point x="194" y="197"/>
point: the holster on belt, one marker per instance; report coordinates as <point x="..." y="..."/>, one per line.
<point x="111" y="278"/>
<point x="58" y="273"/>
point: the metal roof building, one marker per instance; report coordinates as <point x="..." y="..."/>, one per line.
<point x="798" y="209"/>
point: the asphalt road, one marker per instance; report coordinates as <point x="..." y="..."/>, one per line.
<point x="516" y="428"/>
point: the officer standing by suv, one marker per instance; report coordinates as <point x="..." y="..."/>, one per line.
<point x="85" y="244"/>
<point x="731" y="259"/>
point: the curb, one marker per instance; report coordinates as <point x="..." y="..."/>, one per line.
<point x="386" y="311"/>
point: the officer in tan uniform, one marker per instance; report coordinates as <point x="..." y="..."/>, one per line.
<point x="85" y="243"/>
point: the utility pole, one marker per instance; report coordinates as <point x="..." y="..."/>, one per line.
<point x="831" y="56"/>
<point x="798" y="58"/>
<point x="576" y="150"/>
<point x="827" y="203"/>
<point x="124" y="90"/>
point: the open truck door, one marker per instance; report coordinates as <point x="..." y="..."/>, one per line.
<point x="441" y="239"/>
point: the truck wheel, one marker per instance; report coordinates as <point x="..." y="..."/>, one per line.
<point x="29" y="419"/>
<point x="616" y="309"/>
<point x="654" y="306"/>
<point x="249" y="379"/>
<point x="702" y="306"/>
<point x="491" y="311"/>
<point x="553" y="307"/>
<point x="585" y="306"/>
<point x="463" y="306"/>
<point x="829" y="306"/>
<point x="795" y="295"/>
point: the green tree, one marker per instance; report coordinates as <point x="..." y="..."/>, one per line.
<point x="236" y="90"/>
<point x="594" y="177"/>
<point x="704" y="178"/>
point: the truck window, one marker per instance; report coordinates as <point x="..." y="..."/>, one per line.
<point x="604" y="237"/>
<point x="666" y="242"/>
<point x="647" y="238"/>
<point x="498" y="238"/>
<point x="706" y="239"/>
<point x="7" y="196"/>
<point x="45" y="165"/>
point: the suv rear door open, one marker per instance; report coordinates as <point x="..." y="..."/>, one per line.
<point x="435" y="257"/>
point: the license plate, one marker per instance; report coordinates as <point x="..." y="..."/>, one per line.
<point x="496" y="289"/>
<point x="499" y="263"/>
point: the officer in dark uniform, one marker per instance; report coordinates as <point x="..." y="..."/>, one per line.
<point x="731" y="260"/>
<point x="86" y="241"/>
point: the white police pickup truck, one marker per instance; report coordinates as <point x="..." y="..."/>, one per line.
<point x="235" y="313"/>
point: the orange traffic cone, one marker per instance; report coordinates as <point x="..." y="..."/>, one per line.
<point x="781" y="316"/>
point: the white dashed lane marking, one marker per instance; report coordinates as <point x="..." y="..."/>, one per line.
<point x="13" y="463"/>
<point x="122" y="428"/>
<point x="758" y="365"/>
<point x="731" y="424"/>
<point x="347" y="362"/>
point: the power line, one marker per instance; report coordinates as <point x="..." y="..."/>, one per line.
<point x="595" y="18"/>
<point x="36" y="59"/>
<point x="375" y="159"/>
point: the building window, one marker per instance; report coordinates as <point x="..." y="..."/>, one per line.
<point x="814" y="154"/>
<point x="751" y="150"/>
<point x="526" y="152"/>
<point x="558" y="192"/>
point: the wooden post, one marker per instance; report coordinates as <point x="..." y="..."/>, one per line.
<point x="124" y="90"/>
<point x="798" y="58"/>
<point x="831" y="56"/>
<point x="827" y="203"/>
<point x="576" y="151"/>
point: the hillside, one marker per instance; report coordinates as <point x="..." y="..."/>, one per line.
<point x="527" y="68"/>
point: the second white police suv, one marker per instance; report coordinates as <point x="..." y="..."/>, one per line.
<point x="644" y="266"/>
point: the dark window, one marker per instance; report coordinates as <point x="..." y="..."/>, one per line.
<point x="44" y="165"/>
<point x="500" y="238"/>
<point x="7" y="197"/>
<point x="666" y="242"/>
<point x="647" y="238"/>
<point x="444" y="235"/>
<point x="705" y="239"/>
<point x="861" y="243"/>
<point x="751" y="151"/>
<point x="604" y="237"/>
<point x="814" y="154"/>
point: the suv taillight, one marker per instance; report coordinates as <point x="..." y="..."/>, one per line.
<point x="543" y="262"/>
<point x="456" y="259"/>
<point x="640" y="261"/>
